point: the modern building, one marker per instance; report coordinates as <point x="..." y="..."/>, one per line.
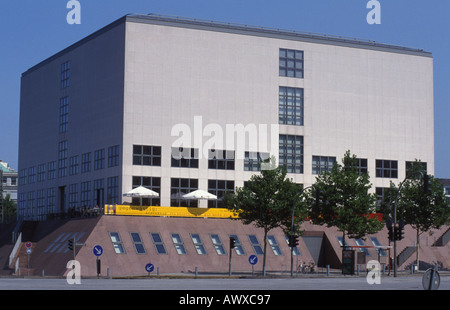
<point x="9" y="181"/>
<point x="178" y="104"/>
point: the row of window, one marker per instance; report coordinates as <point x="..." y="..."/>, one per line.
<point x="198" y="244"/>
<point x="70" y="165"/>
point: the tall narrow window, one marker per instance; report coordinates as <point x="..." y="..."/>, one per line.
<point x="63" y="114"/>
<point x="65" y="74"/>
<point x="198" y="244"/>
<point x="117" y="242"/>
<point x="290" y="107"/>
<point x="291" y="153"/>
<point x="138" y="244"/>
<point x="218" y="244"/>
<point x="237" y="245"/>
<point x="256" y="245"/>
<point x="62" y="159"/>
<point x="178" y="243"/>
<point x="274" y="245"/>
<point x="158" y="242"/>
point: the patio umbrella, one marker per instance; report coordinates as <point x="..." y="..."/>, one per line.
<point x="141" y="192"/>
<point x="200" y="194"/>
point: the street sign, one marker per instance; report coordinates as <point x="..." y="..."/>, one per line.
<point x="149" y="267"/>
<point x="28" y="251"/>
<point x="28" y="244"/>
<point x="97" y="250"/>
<point x="253" y="259"/>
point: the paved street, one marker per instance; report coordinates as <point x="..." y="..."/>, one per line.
<point x="234" y="284"/>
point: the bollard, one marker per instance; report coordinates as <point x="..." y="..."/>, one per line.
<point x="157" y="271"/>
<point x="328" y="270"/>
<point x="43" y="273"/>
<point x="108" y="273"/>
<point x="196" y="272"/>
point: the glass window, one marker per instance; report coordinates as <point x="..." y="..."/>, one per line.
<point x="117" y="242"/>
<point x="253" y="160"/>
<point x="291" y="63"/>
<point x="274" y="245"/>
<point x="184" y="157"/>
<point x="180" y="187"/>
<point x="138" y="244"/>
<point x="65" y="74"/>
<point x="221" y="159"/>
<point x="146" y="155"/>
<point x="238" y="245"/>
<point x="256" y="245"/>
<point x="219" y="188"/>
<point x="322" y="164"/>
<point x="386" y="168"/>
<point x="198" y="244"/>
<point x="360" y="242"/>
<point x="178" y="243"/>
<point x="375" y="242"/>
<point x="153" y="183"/>
<point x="218" y="244"/>
<point x="290" y="106"/>
<point x="159" y="244"/>
<point x="291" y="153"/>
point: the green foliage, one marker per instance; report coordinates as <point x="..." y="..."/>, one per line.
<point x="419" y="208"/>
<point x="341" y="198"/>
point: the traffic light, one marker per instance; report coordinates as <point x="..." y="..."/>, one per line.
<point x="232" y="243"/>
<point x="401" y="230"/>
<point x="70" y="244"/>
<point x="390" y="233"/>
<point x="293" y="241"/>
<point x="319" y="197"/>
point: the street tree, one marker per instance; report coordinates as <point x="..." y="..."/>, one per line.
<point x="421" y="201"/>
<point x="267" y="201"/>
<point x="341" y="198"/>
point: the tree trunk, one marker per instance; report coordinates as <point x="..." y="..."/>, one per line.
<point x="417" y="250"/>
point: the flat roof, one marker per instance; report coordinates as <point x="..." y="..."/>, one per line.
<point x="210" y="25"/>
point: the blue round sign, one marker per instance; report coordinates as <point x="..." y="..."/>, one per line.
<point x="253" y="259"/>
<point x="97" y="250"/>
<point x="149" y="267"/>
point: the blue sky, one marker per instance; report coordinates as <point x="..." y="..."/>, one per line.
<point x="33" y="30"/>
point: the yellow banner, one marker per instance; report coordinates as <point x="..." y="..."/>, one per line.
<point x="169" y="211"/>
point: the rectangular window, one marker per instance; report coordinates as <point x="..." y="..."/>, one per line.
<point x="362" y="166"/>
<point x="253" y="160"/>
<point x="256" y="245"/>
<point x="51" y="200"/>
<point x="73" y="195"/>
<point x="291" y="153"/>
<point x="63" y="114"/>
<point x="51" y="170"/>
<point x="146" y="155"/>
<point x="290" y="107"/>
<point x="159" y="244"/>
<point x="218" y="244"/>
<point x="99" y="159"/>
<point x="198" y="244"/>
<point x="408" y="167"/>
<point x="65" y="74"/>
<point x="62" y="159"/>
<point x="112" y="190"/>
<point x="113" y="156"/>
<point x="178" y="243"/>
<point x="117" y="242"/>
<point x="86" y="162"/>
<point x="184" y="157"/>
<point x="180" y="187"/>
<point x="386" y="168"/>
<point x="221" y="159"/>
<point x="41" y="173"/>
<point x="138" y="244"/>
<point x="360" y="242"/>
<point x="274" y="245"/>
<point x="153" y="183"/>
<point x="322" y="164"/>
<point x="291" y="63"/>
<point x="238" y="245"/>
<point x="73" y="165"/>
<point x="31" y="175"/>
<point x="219" y="188"/>
<point x="85" y="193"/>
